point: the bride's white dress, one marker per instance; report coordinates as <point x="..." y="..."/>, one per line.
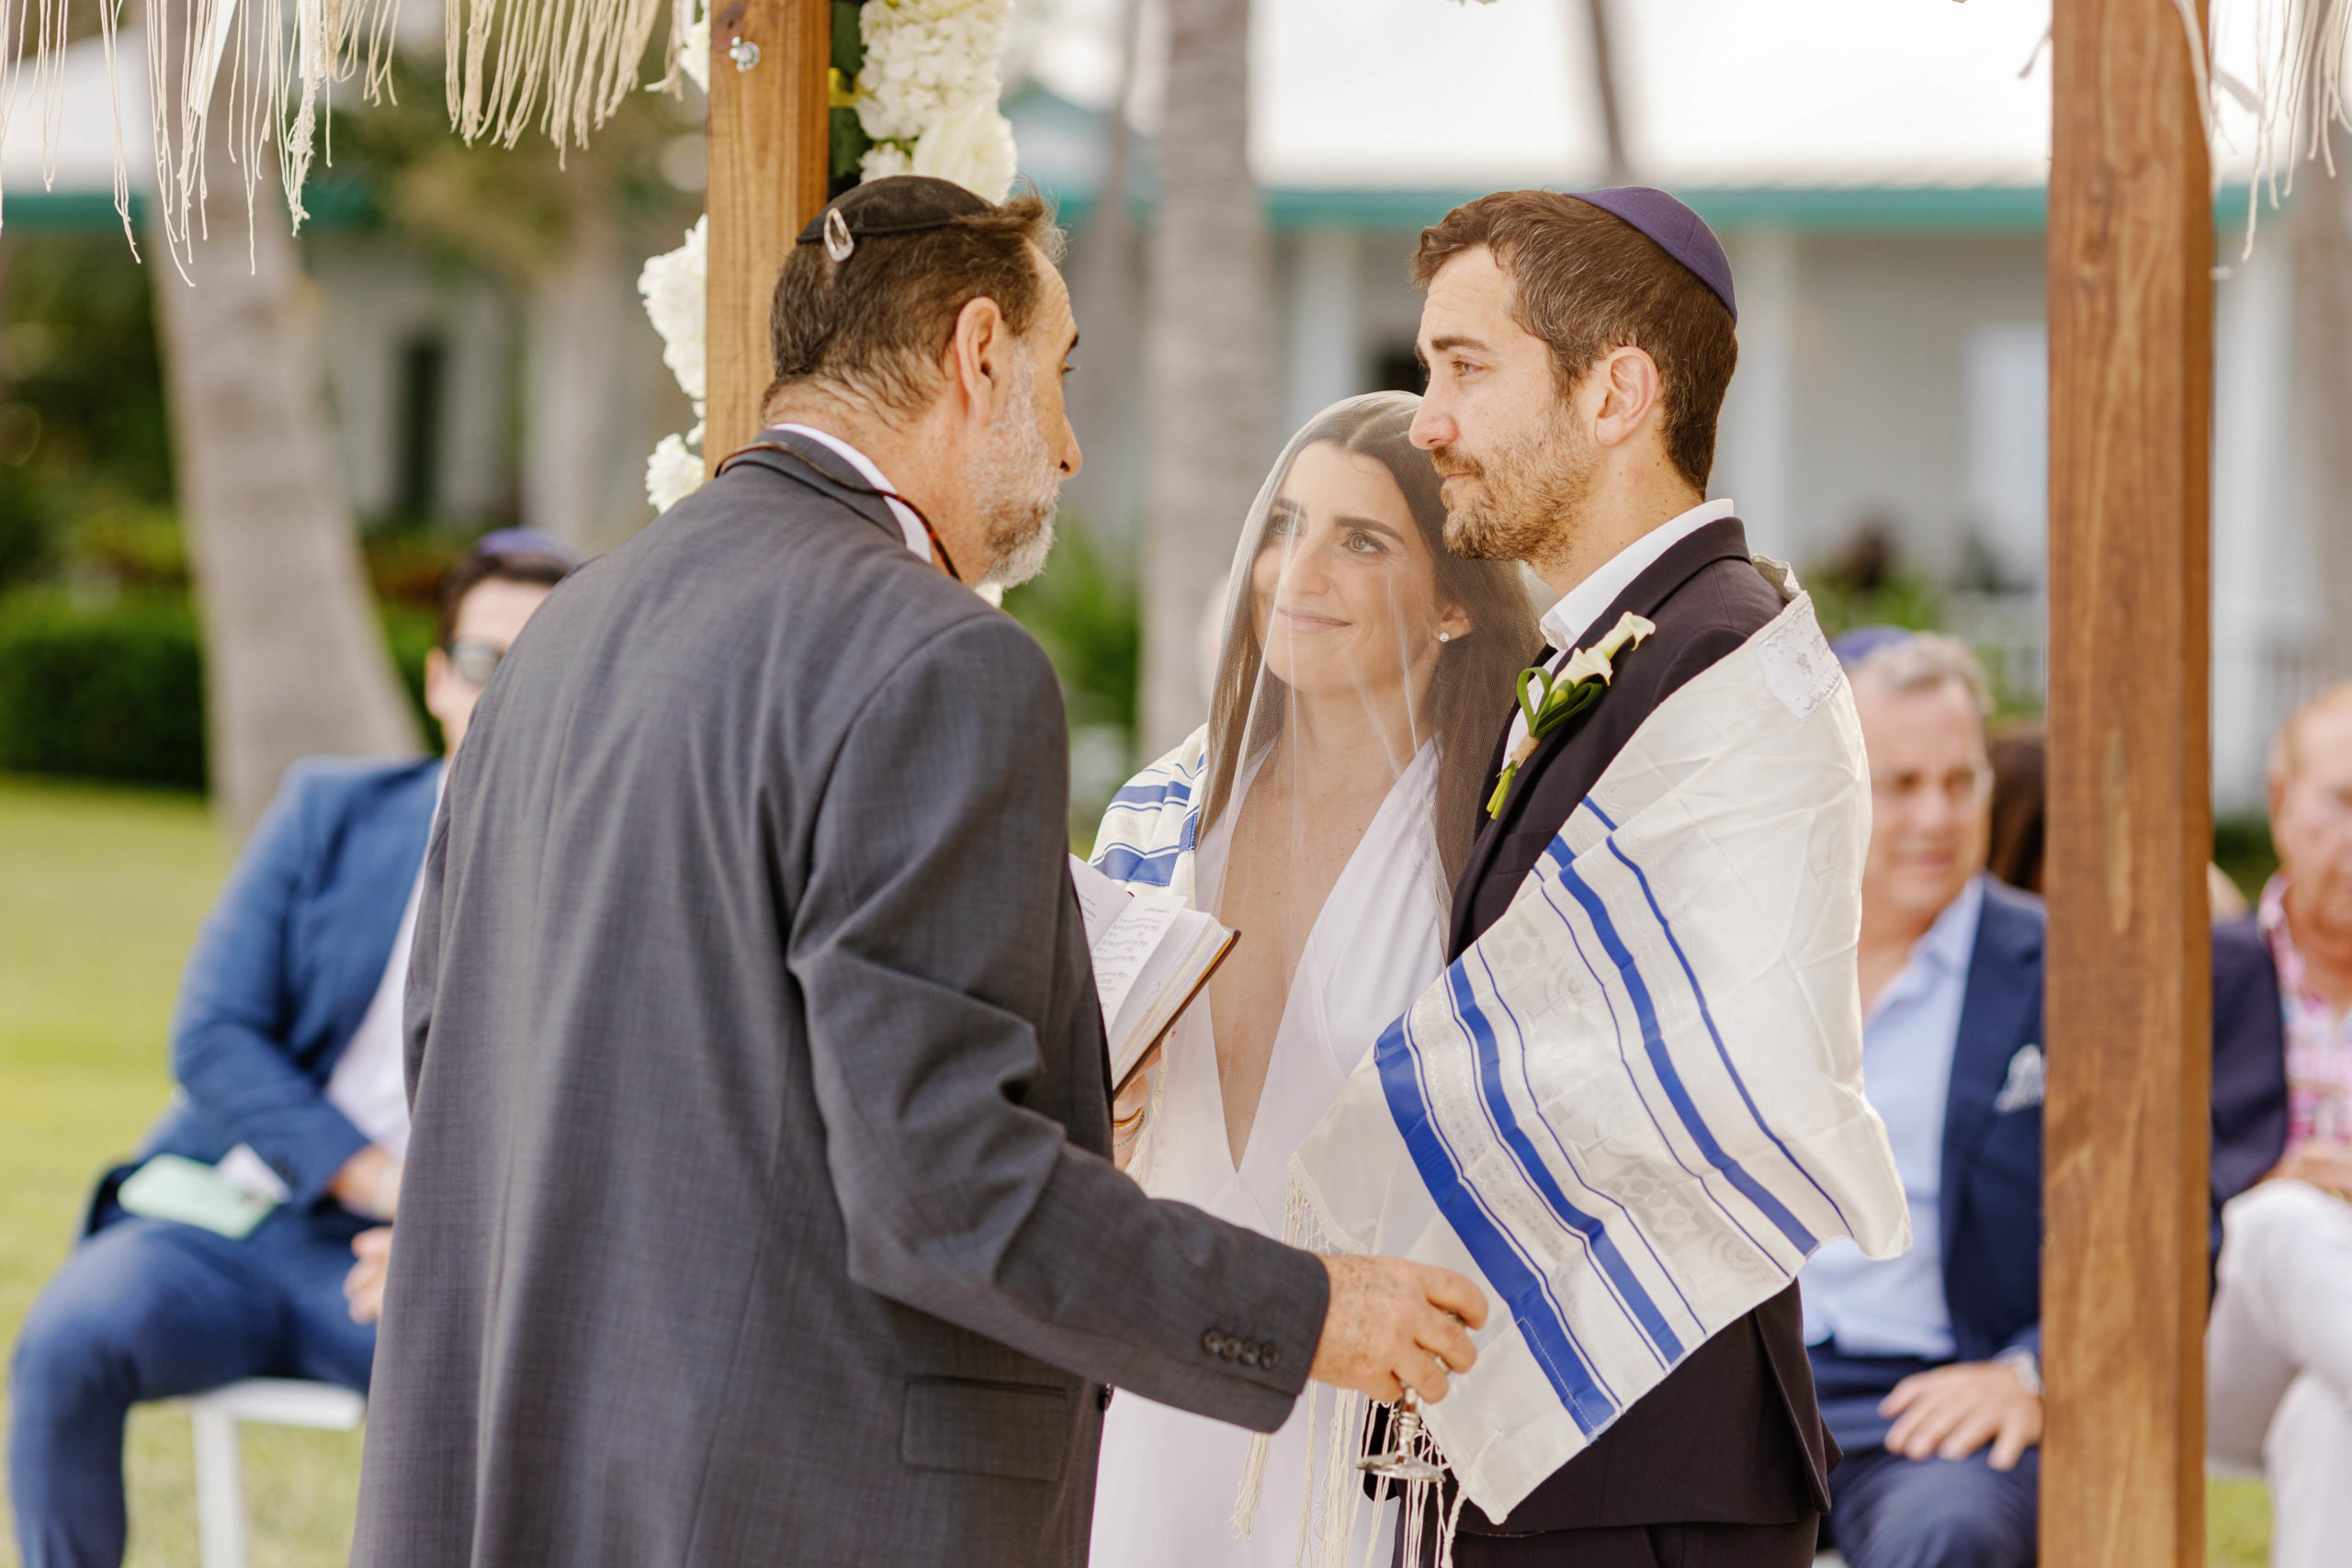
<point x="1165" y="1491"/>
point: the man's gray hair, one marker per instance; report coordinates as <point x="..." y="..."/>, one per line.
<point x="1930" y="658"/>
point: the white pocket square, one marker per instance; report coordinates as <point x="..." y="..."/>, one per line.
<point x="2022" y="1091"/>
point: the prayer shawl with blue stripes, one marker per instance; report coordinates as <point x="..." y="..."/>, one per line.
<point x="1148" y="838"/>
<point x="1634" y="1107"/>
<point x="1150" y="827"/>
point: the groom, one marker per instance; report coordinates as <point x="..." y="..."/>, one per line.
<point x="1578" y="348"/>
<point x="756" y="1210"/>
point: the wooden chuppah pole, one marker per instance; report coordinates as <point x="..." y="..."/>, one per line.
<point x="769" y="145"/>
<point x="2131" y="815"/>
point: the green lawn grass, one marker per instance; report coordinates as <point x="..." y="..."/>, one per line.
<point x="100" y="894"/>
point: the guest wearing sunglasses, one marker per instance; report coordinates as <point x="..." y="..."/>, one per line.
<point x="226" y="1249"/>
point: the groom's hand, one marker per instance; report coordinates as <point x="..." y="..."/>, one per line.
<point x="1393" y="1326"/>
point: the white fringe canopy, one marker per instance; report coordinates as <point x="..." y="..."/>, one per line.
<point x="247" y="81"/>
<point x="565" y="66"/>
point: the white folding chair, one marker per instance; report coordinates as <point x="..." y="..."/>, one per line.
<point x="220" y="1463"/>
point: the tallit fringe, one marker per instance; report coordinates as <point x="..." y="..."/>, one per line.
<point x="1328" y="1513"/>
<point x="1296" y="1220"/>
<point x="1253" y="1482"/>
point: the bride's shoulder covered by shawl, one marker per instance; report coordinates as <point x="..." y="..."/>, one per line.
<point x="1148" y="830"/>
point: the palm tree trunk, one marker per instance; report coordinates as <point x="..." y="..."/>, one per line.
<point x="1604" y="85"/>
<point x="295" y="662"/>
<point x="1104" y="271"/>
<point x="1211" y="365"/>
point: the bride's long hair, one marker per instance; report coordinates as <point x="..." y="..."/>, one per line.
<point x="1470" y="690"/>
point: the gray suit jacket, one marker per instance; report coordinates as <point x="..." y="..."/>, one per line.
<point x="756" y="1212"/>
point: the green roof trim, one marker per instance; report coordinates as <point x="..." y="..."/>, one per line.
<point x="1817" y="209"/>
<point x="37" y="210"/>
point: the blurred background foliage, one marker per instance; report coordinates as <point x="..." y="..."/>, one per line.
<point x="1085" y="611"/>
<point x="511" y="213"/>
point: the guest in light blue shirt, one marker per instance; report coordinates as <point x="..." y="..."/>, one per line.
<point x="1927" y="1364"/>
<point x="1896" y="1307"/>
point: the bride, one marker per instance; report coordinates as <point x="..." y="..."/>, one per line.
<point x="1323" y="812"/>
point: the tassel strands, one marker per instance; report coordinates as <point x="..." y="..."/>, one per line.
<point x="2297" y="97"/>
<point x="1332" y="1496"/>
<point x="280" y="71"/>
<point x="234" y="84"/>
<point x="568" y="65"/>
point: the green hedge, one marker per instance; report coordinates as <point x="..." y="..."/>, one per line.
<point x="117" y="692"/>
<point x="102" y="693"/>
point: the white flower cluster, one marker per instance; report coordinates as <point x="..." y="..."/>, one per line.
<point x="925" y="59"/>
<point x="927" y="92"/>
<point x="675" y="287"/>
<point x="674" y="471"/>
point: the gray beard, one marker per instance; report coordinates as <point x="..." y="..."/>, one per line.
<point x="1531" y="490"/>
<point x="1016" y="487"/>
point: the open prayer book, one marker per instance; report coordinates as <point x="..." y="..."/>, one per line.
<point x="1152" y="956"/>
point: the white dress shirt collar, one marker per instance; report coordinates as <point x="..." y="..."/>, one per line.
<point x="1942" y="953"/>
<point x="910" y="525"/>
<point x="368" y="1083"/>
<point x="1571" y="619"/>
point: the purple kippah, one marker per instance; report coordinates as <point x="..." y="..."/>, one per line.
<point x="524" y="542"/>
<point x="1682" y="233"/>
<point x="1858" y="647"/>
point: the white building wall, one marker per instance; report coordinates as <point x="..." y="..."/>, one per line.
<point x="1880" y="422"/>
<point x="376" y="298"/>
<point x="1755" y="450"/>
<point x="2266" y="586"/>
<point x="1323" y="352"/>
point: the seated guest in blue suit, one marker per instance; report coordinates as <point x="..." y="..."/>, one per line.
<point x="225" y="1249"/>
<point x="1927" y="1364"/>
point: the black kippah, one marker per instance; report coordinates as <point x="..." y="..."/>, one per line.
<point x="902" y="204"/>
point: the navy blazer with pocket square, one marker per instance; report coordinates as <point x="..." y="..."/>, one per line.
<point x="1989" y="1202"/>
<point x="1990" y="1207"/>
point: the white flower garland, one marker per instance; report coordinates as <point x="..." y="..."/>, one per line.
<point x="927" y="92"/>
<point x="927" y="95"/>
<point x="675" y="287"/>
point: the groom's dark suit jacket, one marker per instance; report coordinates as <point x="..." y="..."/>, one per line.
<point x="756" y="1211"/>
<point x="1733" y="1434"/>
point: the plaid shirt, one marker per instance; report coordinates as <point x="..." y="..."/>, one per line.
<point x="2319" y="1044"/>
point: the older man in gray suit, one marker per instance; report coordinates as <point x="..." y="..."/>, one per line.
<point x="756" y="1210"/>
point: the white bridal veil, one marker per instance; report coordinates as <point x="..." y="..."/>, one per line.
<point x="1363" y="681"/>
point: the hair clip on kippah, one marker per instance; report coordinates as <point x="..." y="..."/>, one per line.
<point x="900" y="204"/>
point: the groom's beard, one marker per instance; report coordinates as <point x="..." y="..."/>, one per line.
<point x="1016" y="485"/>
<point x="1531" y="490"/>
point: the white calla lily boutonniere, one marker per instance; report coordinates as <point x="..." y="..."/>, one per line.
<point x="1551" y="700"/>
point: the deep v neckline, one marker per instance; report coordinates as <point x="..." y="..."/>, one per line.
<point x="1320" y="933"/>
